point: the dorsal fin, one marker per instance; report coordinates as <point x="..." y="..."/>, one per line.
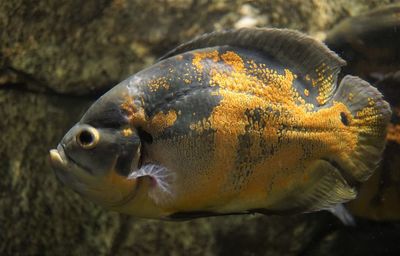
<point x="302" y="54"/>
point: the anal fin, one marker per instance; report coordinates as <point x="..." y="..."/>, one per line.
<point x="343" y="214"/>
<point x="325" y="189"/>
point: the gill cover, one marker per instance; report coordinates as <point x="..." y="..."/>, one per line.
<point x="97" y="154"/>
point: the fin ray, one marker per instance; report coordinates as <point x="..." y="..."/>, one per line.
<point x="342" y="214"/>
<point x="327" y="189"/>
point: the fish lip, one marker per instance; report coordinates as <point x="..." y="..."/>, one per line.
<point x="58" y="158"/>
<point x="60" y="164"/>
<point x="65" y="169"/>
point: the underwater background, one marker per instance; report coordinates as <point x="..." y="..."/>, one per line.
<point x="57" y="57"/>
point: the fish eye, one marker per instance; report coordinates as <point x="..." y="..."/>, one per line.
<point x="88" y="138"/>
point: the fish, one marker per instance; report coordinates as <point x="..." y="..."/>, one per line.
<point x="249" y="120"/>
<point x="369" y="42"/>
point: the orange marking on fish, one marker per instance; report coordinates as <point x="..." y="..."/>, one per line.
<point x="155" y="84"/>
<point x="324" y="89"/>
<point x="160" y="122"/>
<point x="138" y="118"/>
<point x="234" y="60"/>
<point x="198" y="57"/>
<point x="259" y="87"/>
<point x="296" y="127"/>
<point x="367" y="119"/>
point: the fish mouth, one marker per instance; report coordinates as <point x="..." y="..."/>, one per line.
<point x="65" y="168"/>
<point x="61" y="161"/>
<point x="58" y="158"/>
<point x="76" y="177"/>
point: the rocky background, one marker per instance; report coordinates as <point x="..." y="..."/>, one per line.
<point x="57" y="57"/>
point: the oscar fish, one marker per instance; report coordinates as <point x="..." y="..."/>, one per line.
<point x="232" y="122"/>
<point x="369" y="42"/>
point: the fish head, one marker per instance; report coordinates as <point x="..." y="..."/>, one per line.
<point x="96" y="156"/>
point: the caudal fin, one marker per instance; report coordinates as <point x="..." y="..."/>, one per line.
<point x="370" y="117"/>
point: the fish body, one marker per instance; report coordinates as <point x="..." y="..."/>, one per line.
<point x="233" y="122"/>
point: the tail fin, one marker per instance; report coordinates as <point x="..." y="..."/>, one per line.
<point x="371" y="115"/>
